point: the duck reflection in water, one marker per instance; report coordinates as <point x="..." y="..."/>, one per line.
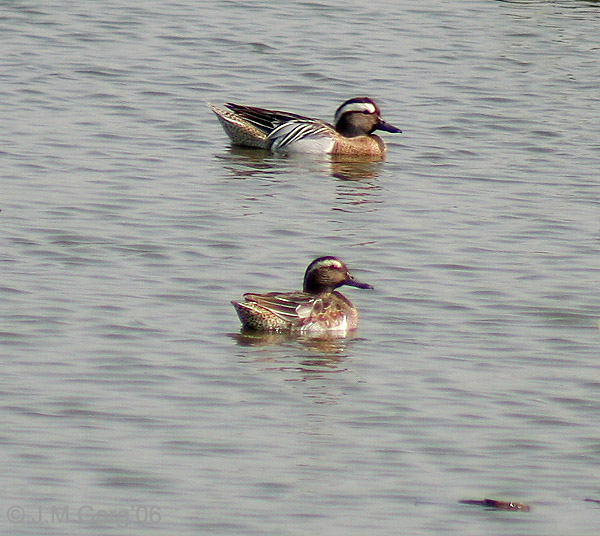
<point x="319" y="318"/>
<point x="301" y="358"/>
<point x="332" y="346"/>
<point x="243" y="162"/>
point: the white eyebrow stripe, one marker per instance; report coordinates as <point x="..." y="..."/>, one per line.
<point x="355" y="107"/>
<point x="327" y="263"/>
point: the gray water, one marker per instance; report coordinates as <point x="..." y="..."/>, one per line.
<point x="129" y="400"/>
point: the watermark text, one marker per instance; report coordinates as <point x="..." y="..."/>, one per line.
<point x="57" y="514"/>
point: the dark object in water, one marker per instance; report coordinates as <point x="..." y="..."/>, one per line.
<point x="597" y="501"/>
<point x="499" y="505"/>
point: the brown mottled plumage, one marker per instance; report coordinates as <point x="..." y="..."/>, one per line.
<point x="319" y="308"/>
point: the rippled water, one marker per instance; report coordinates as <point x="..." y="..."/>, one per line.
<point x="129" y="398"/>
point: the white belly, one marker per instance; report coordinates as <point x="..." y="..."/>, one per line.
<point x="316" y="145"/>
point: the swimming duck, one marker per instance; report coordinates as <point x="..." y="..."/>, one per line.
<point x="318" y="309"/>
<point x="351" y="134"/>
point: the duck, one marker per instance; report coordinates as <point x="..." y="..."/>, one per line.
<point x="355" y="120"/>
<point x="318" y="309"/>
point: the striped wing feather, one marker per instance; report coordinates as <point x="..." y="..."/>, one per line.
<point x="290" y="307"/>
<point x="264" y="120"/>
<point x="306" y="312"/>
<point x="297" y="130"/>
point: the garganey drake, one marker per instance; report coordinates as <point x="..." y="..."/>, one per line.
<point x="351" y="134"/>
<point x="318" y="309"/>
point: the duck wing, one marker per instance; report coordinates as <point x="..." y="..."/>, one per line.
<point x="290" y="307"/>
<point x="265" y="120"/>
<point x="302" y="135"/>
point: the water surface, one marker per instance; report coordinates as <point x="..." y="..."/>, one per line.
<point x="129" y="223"/>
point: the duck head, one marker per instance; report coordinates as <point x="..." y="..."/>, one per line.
<point x="360" y="117"/>
<point x="325" y="274"/>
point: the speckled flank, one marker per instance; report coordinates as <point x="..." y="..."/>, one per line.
<point x="255" y="317"/>
<point x="371" y="145"/>
<point x="239" y="131"/>
<point x="317" y="309"/>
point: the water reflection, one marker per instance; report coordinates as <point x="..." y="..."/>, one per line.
<point x="244" y="162"/>
<point x="307" y="361"/>
<point x="330" y="345"/>
<point x="352" y="168"/>
<point x="357" y="197"/>
<point x="356" y="188"/>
